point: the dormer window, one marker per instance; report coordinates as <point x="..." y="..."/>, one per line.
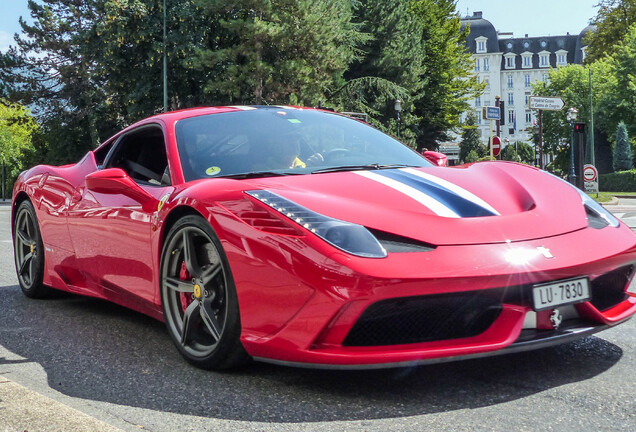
<point x="527" y="60"/>
<point x="481" y="44"/>
<point x="544" y="59"/>
<point x="562" y="57"/>
<point x="510" y="60"/>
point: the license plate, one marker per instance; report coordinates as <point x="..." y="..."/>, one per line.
<point x="550" y="295"/>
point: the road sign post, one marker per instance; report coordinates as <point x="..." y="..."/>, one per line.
<point x="590" y="176"/>
<point x="496" y="146"/>
<point x="551" y="103"/>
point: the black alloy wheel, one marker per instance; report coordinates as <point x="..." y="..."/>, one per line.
<point x="29" y="251"/>
<point x="198" y="296"/>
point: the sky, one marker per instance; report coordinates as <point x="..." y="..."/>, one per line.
<point x="532" y="17"/>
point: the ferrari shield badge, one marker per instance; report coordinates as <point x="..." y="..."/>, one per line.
<point x="162" y="201"/>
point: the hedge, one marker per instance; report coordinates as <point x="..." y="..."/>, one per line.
<point x="622" y="181"/>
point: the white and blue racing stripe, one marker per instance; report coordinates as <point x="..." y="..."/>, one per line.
<point x="440" y="196"/>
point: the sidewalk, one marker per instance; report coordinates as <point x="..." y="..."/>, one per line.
<point x="624" y="208"/>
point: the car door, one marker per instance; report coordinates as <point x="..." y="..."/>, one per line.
<point x="111" y="230"/>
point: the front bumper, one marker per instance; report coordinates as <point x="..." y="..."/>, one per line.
<point x="319" y="334"/>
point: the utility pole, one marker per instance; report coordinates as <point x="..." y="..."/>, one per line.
<point x="591" y="159"/>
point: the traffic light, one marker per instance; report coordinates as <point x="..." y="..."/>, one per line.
<point x="579" y="127"/>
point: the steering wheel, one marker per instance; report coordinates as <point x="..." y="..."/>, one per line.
<point x="335" y="154"/>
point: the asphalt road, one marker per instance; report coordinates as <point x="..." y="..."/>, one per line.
<point x="72" y="363"/>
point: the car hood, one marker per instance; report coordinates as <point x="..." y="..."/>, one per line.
<point x="473" y="204"/>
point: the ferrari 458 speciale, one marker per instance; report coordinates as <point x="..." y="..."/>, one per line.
<point x="304" y="237"/>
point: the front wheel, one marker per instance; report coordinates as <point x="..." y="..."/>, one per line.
<point x="28" y="250"/>
<point x="198" y="296"/>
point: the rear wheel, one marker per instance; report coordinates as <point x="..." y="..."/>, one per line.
<point x="28" y="251"/>
<point x="198" y="296"/>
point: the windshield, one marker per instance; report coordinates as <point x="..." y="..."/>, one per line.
<point x="281" y="141"/>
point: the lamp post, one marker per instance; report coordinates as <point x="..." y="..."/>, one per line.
<point x="571" y="117"/>
<point x="398" y="110"/>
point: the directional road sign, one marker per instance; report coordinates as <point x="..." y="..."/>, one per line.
<point x="491" y="113"/>
<point x="546" y="103"/>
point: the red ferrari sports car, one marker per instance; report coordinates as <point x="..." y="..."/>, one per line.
<point x="303" y="237"/>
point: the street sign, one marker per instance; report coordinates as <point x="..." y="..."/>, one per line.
<point x="546" y="103"/>
<point x="491" y="113"/>
<point x="496" y="145"/>
<point x="590" y="175"/>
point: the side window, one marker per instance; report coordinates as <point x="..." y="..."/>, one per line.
<point x="142" y="154"/>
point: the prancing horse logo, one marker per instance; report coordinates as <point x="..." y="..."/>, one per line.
<point x="556" y="319"/>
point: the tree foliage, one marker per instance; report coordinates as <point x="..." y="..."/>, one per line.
<point x="613" y="20"/>
<point x="90" y="67"/>
<point x="622" y="150"/>
<point x="17" y="131"/>
<point x="448" y="80"/>
<point x="470" y="141"/>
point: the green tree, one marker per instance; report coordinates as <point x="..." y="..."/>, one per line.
<point x="17" y="131"/>
<point x="449" y="80"/>
<point x="277" y="51"/>
<point x="471" y="142"/>
<point x="51" y="66"/>
<point x="130" y="55"/>
<point x="622" y="150"/>
<point x="624" y="62"/>
<point x="572" y="84"/>
<point x="613" y="20"/>
<point x="390" y="66"/>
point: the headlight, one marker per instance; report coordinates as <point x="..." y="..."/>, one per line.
<point x="598" y="216"/>
<point x="349" y="237"/>
<point x="594" y="209"/>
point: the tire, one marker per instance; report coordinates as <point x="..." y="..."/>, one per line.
<point x="28" y="251"/>
<point x="198" y="297"/>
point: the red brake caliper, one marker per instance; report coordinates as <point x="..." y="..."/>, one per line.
<point x="184" y="275"/>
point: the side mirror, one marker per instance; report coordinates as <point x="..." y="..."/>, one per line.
<point x="436" y="158"/>
<point x="116" y="181"/>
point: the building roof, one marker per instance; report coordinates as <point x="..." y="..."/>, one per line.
<point x="497" y="43"/>
<point x="480" y="27"/>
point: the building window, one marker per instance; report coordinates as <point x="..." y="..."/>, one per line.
<point x="527" y="61"/>
<point x="528" y="117"/>
<point x="544" y="60"/>
<point x="478" y="101"/>
<point x="486" y="64"/>
<point x="481" y="44"/>
<point x="527" y="98"/>
<point x="478" y="116"/>
<point x="562" y="58"/>
<point x="511" y="117"/>
<point x="477" y="65"/>
<point x="545" y="77"/>
<point x="510" y="82"/>
<point x="487" y="102"/>
<point x="510" y="62"/>
<point x="526" y="80"/>
<point x="487" y="81"/>
<point x="511" y="99"/>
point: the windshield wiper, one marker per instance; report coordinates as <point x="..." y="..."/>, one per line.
<point x="374" y="166"/>
<point x="257" y="174"/>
